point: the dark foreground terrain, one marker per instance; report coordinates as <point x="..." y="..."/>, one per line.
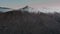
<point x="18" y="22"/>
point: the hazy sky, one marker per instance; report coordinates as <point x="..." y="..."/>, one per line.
<point x="32" y="3"/>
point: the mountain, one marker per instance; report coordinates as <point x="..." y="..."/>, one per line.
<point x="16" y="22"/>
<point x="43" y="9"/>
<point x="29" y="9"/>
<point x="4" y="9"/>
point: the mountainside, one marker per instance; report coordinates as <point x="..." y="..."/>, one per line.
<point x="17" y="22"/>
<point x="22" y="21"/>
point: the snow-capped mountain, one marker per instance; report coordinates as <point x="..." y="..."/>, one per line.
<point x="29" y="9"/>
<point x="4" y="9"/>
<point x="43" y="9"/>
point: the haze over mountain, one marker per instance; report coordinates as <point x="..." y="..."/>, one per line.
<point x="5" y="9"/>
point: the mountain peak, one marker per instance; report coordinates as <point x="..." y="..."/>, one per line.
<point x="26" y="7"/>
<point x="29" y="9"/>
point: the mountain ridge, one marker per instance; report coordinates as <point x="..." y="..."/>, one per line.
<point x="31" y="9"/>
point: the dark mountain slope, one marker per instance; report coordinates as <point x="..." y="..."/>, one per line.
<point x="18" y="22"/>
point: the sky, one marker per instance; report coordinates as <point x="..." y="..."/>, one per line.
<point x="33" y="3"/>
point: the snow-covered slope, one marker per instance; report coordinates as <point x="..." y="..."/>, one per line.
<point x="29" y="9"/>
<point x="49" y="10"/>
<point x="44" y="9"/>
